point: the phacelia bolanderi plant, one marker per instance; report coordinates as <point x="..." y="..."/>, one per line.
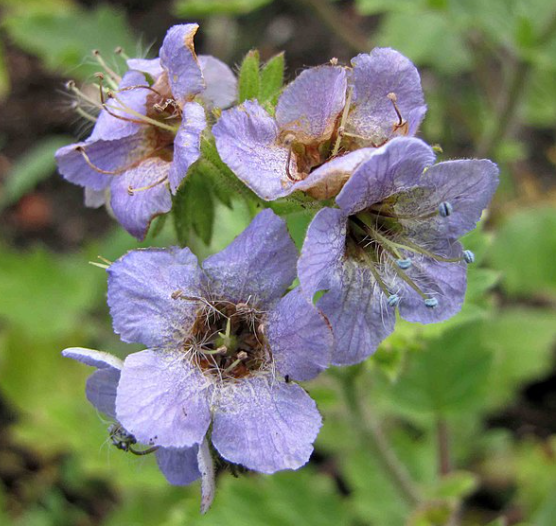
<point x="323" y="119"/>
<point x="148" y="131"/>
<point x="225" y="346"/>
<point x="393" y="243"/>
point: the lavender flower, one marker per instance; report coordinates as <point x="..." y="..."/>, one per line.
<point x="393" y="244"/>
<point x="148" y="131"/>
<point x="224" y="347"/>
<point x="322" y="120"/>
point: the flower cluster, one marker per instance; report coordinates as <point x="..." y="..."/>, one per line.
<point x="228" y="340"/>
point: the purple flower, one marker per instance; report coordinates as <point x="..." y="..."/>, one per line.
<point x="148" y="131"/>
<point x="393" y="243"/>
<point x="322" y="120"/>
<point x="225" y="346"/>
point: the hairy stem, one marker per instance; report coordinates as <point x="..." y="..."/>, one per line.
<point x="371" y="434"/>
<point x="336" y="22"/>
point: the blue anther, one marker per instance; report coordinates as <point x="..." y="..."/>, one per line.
<point x="404" y="263"/>
<point x="468" y="256"/>
<point x="445" y="209"/>
<point x="393" y="300"/>
<point x="431" y="303"/>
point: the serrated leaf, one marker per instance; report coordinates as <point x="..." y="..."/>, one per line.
<point x="204" y="8"/>
<point x="30" y="169"/>
<point x="272" y="79"/>
<point x="249" y="79"/>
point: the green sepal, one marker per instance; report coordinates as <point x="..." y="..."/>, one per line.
<point x="272" y="79"/>
<point x="249" y="84"/>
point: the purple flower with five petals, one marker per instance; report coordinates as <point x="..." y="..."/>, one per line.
<point x="393" y="243"/>
<point x="148" y="131"/>
<point x="323" y="119"/>
<point x="224" y="349"/>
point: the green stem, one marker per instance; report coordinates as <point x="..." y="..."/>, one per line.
<point x="336" y="22"/>
<point x="508" y="108"/>
<point x="372" y="435"/>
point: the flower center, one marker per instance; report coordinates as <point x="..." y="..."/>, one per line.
<point x="227" y="340"/>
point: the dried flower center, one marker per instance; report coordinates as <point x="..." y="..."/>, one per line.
<point x="382" y="236"/>
<point x="227" y="340"/>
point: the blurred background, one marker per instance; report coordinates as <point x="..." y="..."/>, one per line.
<point x="469" y="406"/>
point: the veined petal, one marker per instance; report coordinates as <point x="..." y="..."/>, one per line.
<point x="443" y="281"/>
<point x="300" y="337"/>
<point x="94" y="198"/>
<point x="187" y="143"/>
<point x="396" y="166"/>
<point x="247" y="139"/>
<point x="163" y="399"/>
<point x="151" y="67"/>
<point x="309" y="106"/>
<point x="178" y="58"/>
<point x="359" y="313"/>
<point x="101" y="390"/>
<point x="113" y="123"/>
<point x="265" y="426"/>
<point x="328" y="179"/>
<point x="375" y="76"/>
<point x="134" y="207"/>
<point x="258" y="266"/>
<point x="221" y="83"/>
<point x="142" y="286"/>
<point x="323" y="251"/>
<point x="104" y="156"/>
<point x="179" y="465"/>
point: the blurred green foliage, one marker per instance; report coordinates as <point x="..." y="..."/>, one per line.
<point x="461" y="373"/>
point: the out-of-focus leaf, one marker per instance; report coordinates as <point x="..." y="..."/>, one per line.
<point x="44" y="294"/>
<point x="249" y="80"/>
<point x="522" y="341"/>
<point x="202" y="8"/>
<point x="4" y="75"/>
<point x="458" y="484"/>
<point x="272" y="79"/>
<point x="30" y="169"/>
<point x="448" y="377"/>
<point x="524" y="251"/>
<point x="372" y="7"/>
<point x="539" y="101"/>
<point x="67" y="38"/>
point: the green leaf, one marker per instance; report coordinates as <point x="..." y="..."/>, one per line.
<point x="68" y="37"/>
<point x="4" y="76"/>
<point x="524" y="251"/>
<point x="458" y="485"/>
<point x="205" y="8"/>
<point x="449" y="377"/>
<point x="249" y="80"/>
<point x="31" y="168"/>
<point x="272" y="79"/>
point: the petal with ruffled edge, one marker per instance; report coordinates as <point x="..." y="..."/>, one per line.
<point x="300" y="337"/>
<point x="102" y="384"/>
<point x="323" y="251"/>
<point x="264" y="425"/>
<point x="149" y="66"/>
<point x="134" y="207"/>
<point x="258" y="266"/>
<point x="374" y="76"/>
<point x="163" y="399"/>
<point x="247" y="139"/>
<point x="396" y="166"/>
<point x="309" y="106"/>
<point x="354" y="304"/>
<point x="221" y="83"/>
<point x="443" y="281"/>
<point x="327" y="180"/>
<point x="187" y="143"/>
<point x="114" y="122"/>
<point x="178" y="58"/>
<point x="104" y="156"/>
<point x="142" y="286"/>
<point x="467" y="185"/>
<point x="179" y="466"/>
